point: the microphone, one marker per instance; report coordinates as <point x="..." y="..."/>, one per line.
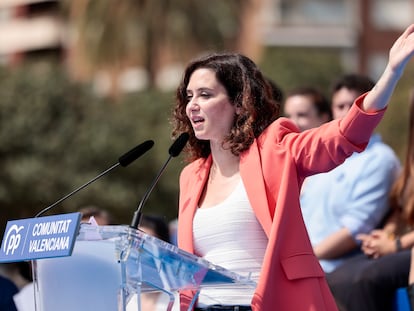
<point x="123" y="160"/>
<point x="174" y="151"/>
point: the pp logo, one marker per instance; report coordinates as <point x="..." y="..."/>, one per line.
<point x="12" y="240"/>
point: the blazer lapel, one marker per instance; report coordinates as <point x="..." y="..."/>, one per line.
<point x="194" y="193"/>
<point x="252" y="176"/>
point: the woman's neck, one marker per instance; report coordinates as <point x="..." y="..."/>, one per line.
<point x="224" y="161"/>
<point x="223" y="177"/>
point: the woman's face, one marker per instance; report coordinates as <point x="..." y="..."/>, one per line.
<point x="208" y="107"/>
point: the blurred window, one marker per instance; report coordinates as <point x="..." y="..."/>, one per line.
<point x="395" y="14"/>
<point x="315" y="12"/>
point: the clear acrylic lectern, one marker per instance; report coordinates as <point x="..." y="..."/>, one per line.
<point x="112" y="264"/>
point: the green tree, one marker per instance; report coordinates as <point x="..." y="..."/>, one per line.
<point x="56" y="135"/>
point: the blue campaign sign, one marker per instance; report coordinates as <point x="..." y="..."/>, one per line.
<point x="41" y="237"/>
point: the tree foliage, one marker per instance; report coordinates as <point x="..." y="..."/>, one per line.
<point x="55" y="136"/>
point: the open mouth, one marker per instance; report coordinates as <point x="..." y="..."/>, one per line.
<point x="197" y="120"/>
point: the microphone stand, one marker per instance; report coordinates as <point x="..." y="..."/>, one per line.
<point x="173" y="151"/>
<point x="137" y="214"/>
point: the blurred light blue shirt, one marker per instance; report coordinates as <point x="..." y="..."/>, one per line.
<point x="353" y="195"/>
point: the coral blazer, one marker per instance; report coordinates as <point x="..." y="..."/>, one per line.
<point x="273" y="170"/>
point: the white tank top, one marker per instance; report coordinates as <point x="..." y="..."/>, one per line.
<point x="229" y="235"/>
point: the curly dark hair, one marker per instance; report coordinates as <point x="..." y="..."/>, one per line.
<point x="246" y="88"/>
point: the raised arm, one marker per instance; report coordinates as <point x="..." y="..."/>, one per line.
<point x="400" y="54"/>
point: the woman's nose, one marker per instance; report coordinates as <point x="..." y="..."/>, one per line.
<point x="192" y="105"/>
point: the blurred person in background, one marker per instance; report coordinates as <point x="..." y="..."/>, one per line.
<point x="7" y="290"/>
<point x="368" y="282"/>
<point x="20" y="274"/>
<point x="307" y="108"/>
<point x="353" y="197"/>
<point x="101" y="216"/>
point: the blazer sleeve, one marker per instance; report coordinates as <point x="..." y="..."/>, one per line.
<point x="323" y="148"/>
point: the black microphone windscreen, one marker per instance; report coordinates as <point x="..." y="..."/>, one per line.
<point x="135" y="153"/>
<point x="178" y="145"/>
